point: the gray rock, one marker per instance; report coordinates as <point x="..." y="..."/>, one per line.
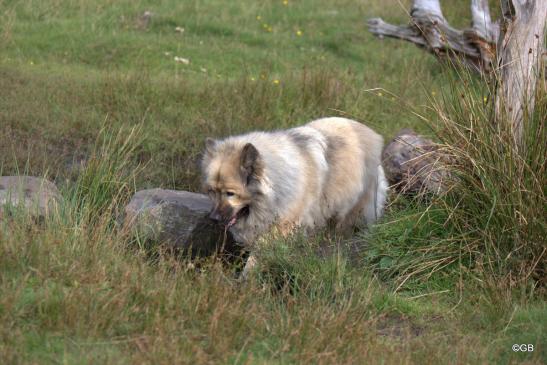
<point x="179" y="219"/>
<point x="36" y="195"/>
<point x="414" y="164"/>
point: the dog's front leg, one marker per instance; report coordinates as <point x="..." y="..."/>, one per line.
<point x="250" y="265"/>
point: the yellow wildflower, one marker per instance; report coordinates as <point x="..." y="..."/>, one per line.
<point x="299" y="33"/>
<point x="285" y="2"/>
<point x="276" y="81"/>
<point x="258" y="17"/>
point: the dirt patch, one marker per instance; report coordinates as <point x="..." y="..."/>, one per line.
<point x="398" y="326"/>
<point x="35" y="154"/>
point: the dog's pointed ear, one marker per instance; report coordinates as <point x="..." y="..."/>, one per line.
<point x="250" y="162"/>
<point x="210" y="145"/>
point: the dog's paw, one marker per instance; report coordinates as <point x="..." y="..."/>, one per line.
<point x="250" y="266"/>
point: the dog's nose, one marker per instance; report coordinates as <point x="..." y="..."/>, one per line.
<point x="215" y="215"/>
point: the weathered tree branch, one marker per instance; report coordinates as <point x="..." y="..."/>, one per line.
<point x="514" y="52"/>
<point x="429" y="29"/>
<point x="520" y="51"/>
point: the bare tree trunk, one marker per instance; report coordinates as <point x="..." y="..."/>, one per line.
<point x="429" y="29"/>
<point x="519" y="60"/>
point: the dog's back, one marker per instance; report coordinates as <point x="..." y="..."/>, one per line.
<point x="328" y="169"/>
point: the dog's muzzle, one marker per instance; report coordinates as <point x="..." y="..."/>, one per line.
<point x="218" y="217"/>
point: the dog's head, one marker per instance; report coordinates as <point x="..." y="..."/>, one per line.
<point x="231" y="172"/>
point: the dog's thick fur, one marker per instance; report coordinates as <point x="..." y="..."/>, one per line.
<point x="326" y="170"/>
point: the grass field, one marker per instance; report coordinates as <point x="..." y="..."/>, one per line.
<point x="75" y="74"/>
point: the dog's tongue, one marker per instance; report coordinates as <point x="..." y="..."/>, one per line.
<point x="232" y="222"/>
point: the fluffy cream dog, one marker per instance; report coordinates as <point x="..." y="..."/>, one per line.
<point x="327" y="170"/>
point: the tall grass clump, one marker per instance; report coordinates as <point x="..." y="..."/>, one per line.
<point x="496" y="204"/>
<point x="490" y="219"/>
<point x="108" y="176"/>
<point x="411" y="245"/>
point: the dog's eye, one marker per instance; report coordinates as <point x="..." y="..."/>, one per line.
<point x="230" y="193"/>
